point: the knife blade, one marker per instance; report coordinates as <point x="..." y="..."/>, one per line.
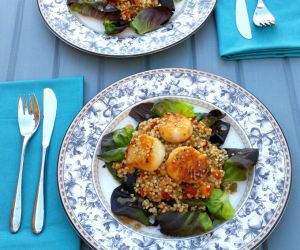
<point x="242" y="19"/>
<point x="49" y="110"/>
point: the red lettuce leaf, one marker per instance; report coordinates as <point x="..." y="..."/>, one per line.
<point x="151" y="19"/>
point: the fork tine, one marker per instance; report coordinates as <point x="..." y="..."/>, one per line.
<point x="30" y="104"/>
<point x="262" y="16"/>
<point x="25" y="105"/>
<point x="20" y="107"/>
<point x="35" y="105"/>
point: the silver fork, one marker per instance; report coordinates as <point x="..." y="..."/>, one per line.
<point x="262" y="16"/>
<point x="29" y="120"/>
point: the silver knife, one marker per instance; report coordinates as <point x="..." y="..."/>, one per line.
<point x="242" y="19"/>
<point x="49" y="111"/>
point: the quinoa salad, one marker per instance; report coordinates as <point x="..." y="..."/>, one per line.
<point x="158" y="186"/>
<point x="141" y="15"/>
<point x="130" y="8"/>
<point x="172" y="169"/>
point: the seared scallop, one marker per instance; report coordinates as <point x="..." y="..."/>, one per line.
<point x="175" y="128"/>
<point x="187" y="164"/>
<point x="145" y="152"/>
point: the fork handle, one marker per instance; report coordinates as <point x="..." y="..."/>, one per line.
<point x="16" y="211"/>
<point x="38" y="215"/>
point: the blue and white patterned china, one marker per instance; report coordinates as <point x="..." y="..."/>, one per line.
<point x="260" y="206"/>
<point x="190" y="16"/>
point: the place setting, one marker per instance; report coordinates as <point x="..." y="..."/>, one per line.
<point x="33" y="124"/>
<point x="257" y="29"/>
<point x="28" y="121"/>
<point x="168" y="158"/>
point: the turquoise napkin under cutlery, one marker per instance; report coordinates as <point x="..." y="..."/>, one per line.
<point x="58" y="232"/>
<point x="279" y="40"/>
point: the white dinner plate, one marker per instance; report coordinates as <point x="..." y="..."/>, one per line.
<point x="86" y="34"/>
<point x="85" y="186"/>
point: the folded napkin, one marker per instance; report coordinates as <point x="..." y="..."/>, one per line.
<point x="279" y="40"/>
<point x="57" y="233"/>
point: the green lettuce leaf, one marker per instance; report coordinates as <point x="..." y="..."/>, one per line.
<point x="116" y="155"/>
<point x="233" y="173"/>
<point x="113" y="27"/>
<point x="218" y="204"/>
<point x="122" y="137"/>
<point x="173" y="106"/>
<point x="86" y="10"/>
<point x="116" y="139"/>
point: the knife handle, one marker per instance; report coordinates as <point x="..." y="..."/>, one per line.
<point x="38" y="215"/>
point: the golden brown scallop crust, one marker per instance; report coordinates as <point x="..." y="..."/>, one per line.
<point x="145" y="152"/>
<point x="187" y="164"/>
<point x="175" y="128"/>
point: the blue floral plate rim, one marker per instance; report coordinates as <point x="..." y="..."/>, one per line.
<point x="265" y="209"/>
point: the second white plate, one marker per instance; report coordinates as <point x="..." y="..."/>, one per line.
<point x="82" y="34"/>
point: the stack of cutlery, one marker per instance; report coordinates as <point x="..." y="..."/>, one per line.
<point x="29" y="119"/>
<point x="262" y="17"/>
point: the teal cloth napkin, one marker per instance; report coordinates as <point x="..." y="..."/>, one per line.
<point x="280" y="40"/>
<point x="58" y="232"/>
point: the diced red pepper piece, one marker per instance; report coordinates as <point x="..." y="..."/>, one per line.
<point x="204" y="144"/>
<point x="154" y="124"/>
<point x="184" y="197"/>
<point x="142" y="193"/>
<point x="165" y="195"/>
<point x="157" y="171"/>
<point x="191" y="191"/>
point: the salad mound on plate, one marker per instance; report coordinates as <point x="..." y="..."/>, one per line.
<point x="172" y="169"/>
<point x="141" y="15"/>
